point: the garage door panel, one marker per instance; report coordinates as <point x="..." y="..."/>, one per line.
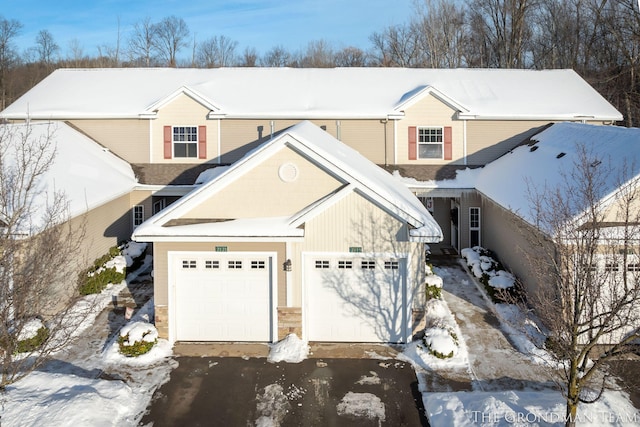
<point x="222" y="298"/>
<point x="355" y="299"/>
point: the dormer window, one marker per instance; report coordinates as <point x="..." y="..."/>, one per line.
<point x="185" y="141"/>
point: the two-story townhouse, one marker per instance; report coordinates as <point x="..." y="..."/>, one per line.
<point x="171" y="124"/>
<point x="298" y="214"/>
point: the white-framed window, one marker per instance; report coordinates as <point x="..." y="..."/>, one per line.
<point x="185" y="141"/>
<point x="213" y="264"/>
<point x="257" y="265"/>
<point x="234" y="265"/>
<point x="474" y="227"/>
<point x="138" y="215"/>
<point x="345" y="264"/>
<point x="391" y="265"/>
<point x="189" y="263"/>
<point x="430" y="142"/>
<point x="368" y="264"/>
<point x="322" y="264"/>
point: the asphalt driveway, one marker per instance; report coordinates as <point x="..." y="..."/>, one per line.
<point x="233" y="391"/>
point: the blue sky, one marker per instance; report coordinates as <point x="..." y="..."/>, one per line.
<point x="252" y="23"/>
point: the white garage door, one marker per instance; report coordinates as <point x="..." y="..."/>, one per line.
<point x="222" y="296"/>
<point x="355" y="299"/>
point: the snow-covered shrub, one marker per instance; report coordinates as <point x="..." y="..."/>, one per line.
<point x="33" y="334"/>
<point x="137" y="338"/>
<point x="441" y="342"/>
<point x="501" y="286"/>
<point x="433" y="286"/>
<point x="109" y="268"/>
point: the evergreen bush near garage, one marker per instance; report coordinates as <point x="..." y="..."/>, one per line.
<point x="137" y="348"/>
<point x="96" y="278"/>
<point x="33" y="343"/>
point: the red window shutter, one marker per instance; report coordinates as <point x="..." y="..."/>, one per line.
<point x="448" y="143"/>
<point x="413" y="145"/>
<point x="167" y="142"/>
<point x="202" y="142"/>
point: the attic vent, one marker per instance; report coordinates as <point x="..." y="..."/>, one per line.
<point x="561" y="155"/>
<point x="534" y="148"/>
<point x="532" y="142"/>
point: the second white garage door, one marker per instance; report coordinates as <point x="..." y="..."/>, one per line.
<point x="222" y="296"/>
<point x="355" y="299"/>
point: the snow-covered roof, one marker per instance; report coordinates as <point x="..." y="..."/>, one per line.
<point x="308" y="93"/>
<point x="312" y="142"/>
<point x="543" y="165"/>
<point x="87" y="174"/>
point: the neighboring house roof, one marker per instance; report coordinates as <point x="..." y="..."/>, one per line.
<point x="87" y="173"/>
<point x="359" y="174"/>
<point x="308" y="93"/>
<point x="541" y="165"/>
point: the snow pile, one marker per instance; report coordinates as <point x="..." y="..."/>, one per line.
<point x="365" y="405"/>
<point x="272" y="406"/>
<point x="137" y="332"/>
<point x="433" y="280"/>
<point x="30" y="329"/>
<point x="119" y="262"/>
<point x="503" y="280"/>
<point x="50" y="399"/>
<point x="291" y="349"/>
<point x="133" y="250"/>
<point x="483" y="266"/>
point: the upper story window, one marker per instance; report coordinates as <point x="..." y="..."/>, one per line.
<point x="185" y="141"/>
<point x="138" y="215"/>
<point x="430" y="142"/>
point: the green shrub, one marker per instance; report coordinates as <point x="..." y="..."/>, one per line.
<point x="440" y="355"/>
<point x="33" y="343"/>
<point x="96" y="278"/>
<point x="98" y="281"/>
<point x="433" y="292"/>
<point x="138" y="348"/>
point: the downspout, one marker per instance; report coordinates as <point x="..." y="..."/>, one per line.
<point x="464" y="141"/>
<point x="384" y="122"/>
<point x="272" y="125"/>
<point x="150" y="142"/>
<point x="219" y="142"/>
<point x="395" y="142"/>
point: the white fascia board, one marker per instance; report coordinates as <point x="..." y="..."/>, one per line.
<point x="212" y="239"/>
<point x="431" y="90"/>
<point x="562" y="117"/>
<point x="184" y="90"/>
<point x="305" y="115"/>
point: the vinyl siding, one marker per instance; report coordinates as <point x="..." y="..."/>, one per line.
<point x="183" y="111"/>
<point x="262" y="186"/>
<point x="488" y="140"/>
<point x="238" y="136"/>
<point x="429" y="112"/>
<point x="355" y="221"/>
<point x="128" y="139"/>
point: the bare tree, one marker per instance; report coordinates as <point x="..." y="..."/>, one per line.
<point x="141" y="43"/>
<point x="170" y="35"/>
<point x="38" y="254"/>
<point x="351" y="57"/>
<point x="76" y="53"/>
<point x="9" y="30"/>
<point x="443" y="33"/>
<point x="277" y="56"/>
<point x="217" y="51"/>
<point x="503" y="27"/>
<point x="318" y="54"/>
<point x="397" y="46"/>
<point x="249" y="57"/>
<point x="587" y="270"/>
<point x="46" y="47"/>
